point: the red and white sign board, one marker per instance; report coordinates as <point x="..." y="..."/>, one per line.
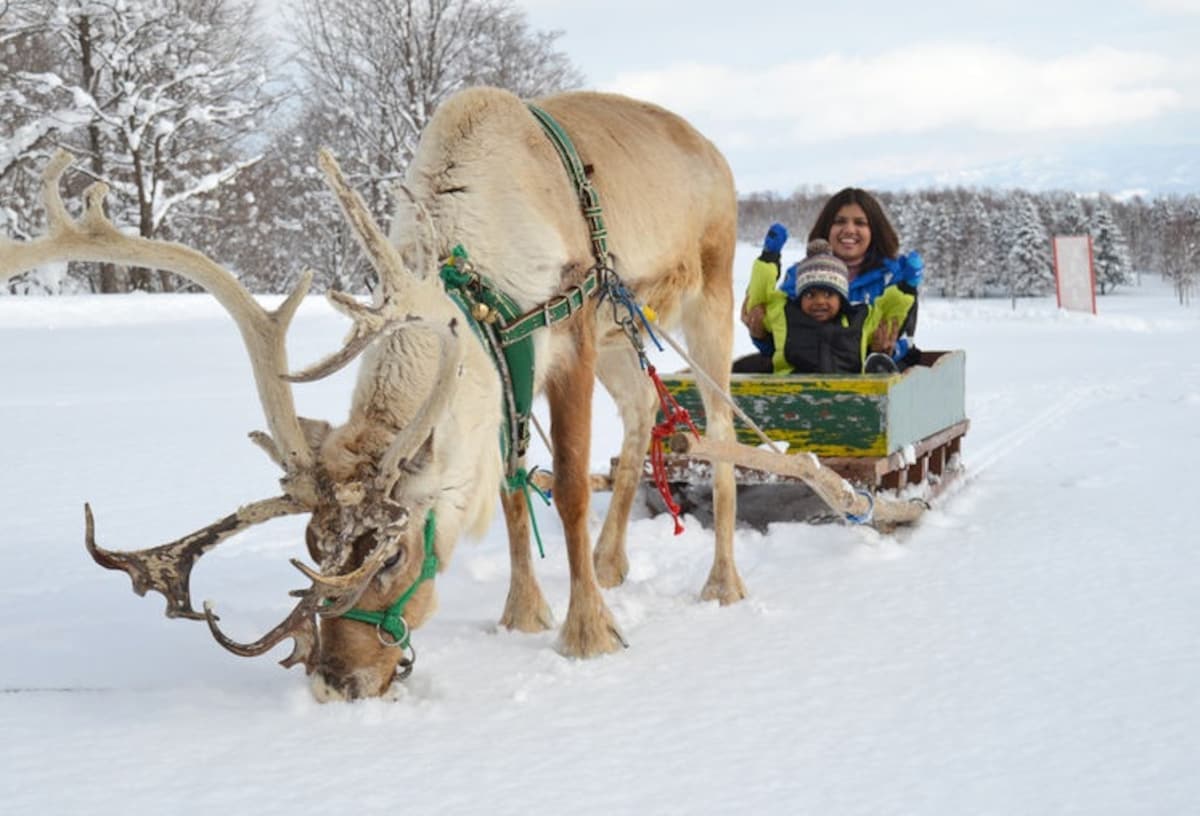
<point x="1074" y="275"/>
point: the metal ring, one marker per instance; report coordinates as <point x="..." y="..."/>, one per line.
<point x="389" y="641"/>
<point x="405" y="667"/>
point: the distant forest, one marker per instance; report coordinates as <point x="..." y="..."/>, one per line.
<point x="989" y="243"/>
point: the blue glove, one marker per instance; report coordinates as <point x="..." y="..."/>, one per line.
<point x="903" y="344"/>
<point x="910" y="269"/>
<point x="777" y="236"/>
<point x="765" y="345"/>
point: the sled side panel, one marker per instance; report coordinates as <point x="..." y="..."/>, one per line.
<point x="926" y="399"/>
<point x="869" y="415"/>
<point x="830" y="416"/>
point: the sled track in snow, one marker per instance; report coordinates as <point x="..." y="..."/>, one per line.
<point x="53" y="690"/>
<point x="1000" y="448"/>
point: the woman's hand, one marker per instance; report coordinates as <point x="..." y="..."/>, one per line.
<point x="753" y="319"/>
<point x="883" y="339"/>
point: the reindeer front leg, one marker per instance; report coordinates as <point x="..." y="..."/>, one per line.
<point x="526" y="609"/>
<point x="589" y="628"/>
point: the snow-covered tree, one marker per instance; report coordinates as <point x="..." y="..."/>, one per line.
<point x="1067" y="215"/>
<point x="154" y="96"/>
<point x="33" y="113"/>
<point x="375" y="71"/>
<point x="368" y="91"/>
<point x="1110" y="255"/>
<point x="977" y="260"/>
<point x="1181" y="246"/>
<point x="283" y="219"/>
<point x="940" y="241"/>
<point x="1028" y="267"/>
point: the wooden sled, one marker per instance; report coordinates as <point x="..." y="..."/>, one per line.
<point x="874" y="434"/>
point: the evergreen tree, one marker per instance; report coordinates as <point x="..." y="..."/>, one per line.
<point x="1067" y="214"/>
<point x="940" y="243"/>
<point x="979" y="258"/>
<point x="1028" y="268"/>
<point x="1110" y="256"/>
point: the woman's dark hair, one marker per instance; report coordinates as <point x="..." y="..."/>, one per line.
<point x="884" y="241"/>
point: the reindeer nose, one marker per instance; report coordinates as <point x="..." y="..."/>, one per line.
<point x="329" y="687"/>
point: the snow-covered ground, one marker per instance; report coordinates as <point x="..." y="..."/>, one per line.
<point x="1033" y="647"/>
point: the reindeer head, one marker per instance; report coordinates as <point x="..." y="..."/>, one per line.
<point x="369" y="485"/>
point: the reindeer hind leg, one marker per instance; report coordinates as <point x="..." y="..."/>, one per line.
<point x="622" y="376"/>
<point x="708" y="328"/>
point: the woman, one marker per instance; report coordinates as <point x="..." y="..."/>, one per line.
<point x="858" y="232"/>
<point x="860" y="235"/>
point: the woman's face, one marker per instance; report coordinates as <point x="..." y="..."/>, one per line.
<point x="850" y="234"/>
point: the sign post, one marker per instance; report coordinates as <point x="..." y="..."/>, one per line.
<point x="1074" y="275"/>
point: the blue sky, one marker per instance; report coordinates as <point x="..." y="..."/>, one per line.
<point x="893" y="94"/>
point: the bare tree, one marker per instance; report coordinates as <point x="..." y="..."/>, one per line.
<point x="375" y="71"/>
<point x="155" y="94"/>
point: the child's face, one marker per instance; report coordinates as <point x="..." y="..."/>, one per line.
<point x="821" y="304"/>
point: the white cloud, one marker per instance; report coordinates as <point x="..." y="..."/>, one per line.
<point x="915" y="90"/>
<point x="1174" y="6"/>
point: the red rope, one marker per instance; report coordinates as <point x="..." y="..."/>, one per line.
<point x="674" y="416"/>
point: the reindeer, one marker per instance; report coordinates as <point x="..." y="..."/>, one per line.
<point x="417" y="464"/>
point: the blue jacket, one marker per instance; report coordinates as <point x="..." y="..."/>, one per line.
<point x="906" y="269"/>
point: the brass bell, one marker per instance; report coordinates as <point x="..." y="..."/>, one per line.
<point x="481" y="312"/>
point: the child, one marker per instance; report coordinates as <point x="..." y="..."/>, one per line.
<point x="824" y="333"/>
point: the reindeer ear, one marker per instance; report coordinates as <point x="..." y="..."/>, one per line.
<point x="413" y="234"/>
<point x="418" y="481"/>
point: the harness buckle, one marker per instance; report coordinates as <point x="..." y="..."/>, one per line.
<point x="563" y="298"/>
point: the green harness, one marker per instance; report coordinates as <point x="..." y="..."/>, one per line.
<point x="507" y="332"/>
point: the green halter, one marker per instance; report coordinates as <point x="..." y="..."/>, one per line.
<point x="391" y="621"/>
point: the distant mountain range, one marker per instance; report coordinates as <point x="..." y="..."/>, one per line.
<point x="1120" y="170"/>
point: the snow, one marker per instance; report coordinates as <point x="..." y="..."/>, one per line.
<point x="1031" y="647"/>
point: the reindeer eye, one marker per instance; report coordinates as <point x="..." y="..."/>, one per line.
<point x="392" y="560"/>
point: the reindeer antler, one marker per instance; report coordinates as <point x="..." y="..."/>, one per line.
<point x="328" y="596"/>
<point x="369" y="322"/>
<point x="168" y="568"/>
<point x="94" y="238"/>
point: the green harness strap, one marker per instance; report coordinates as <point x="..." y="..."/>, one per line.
<point x="497" y="319"/>
<point x="588" y="199"/>
<point x="487" y="310"/>
<point x="507" y="333"/>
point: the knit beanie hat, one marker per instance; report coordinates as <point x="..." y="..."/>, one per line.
<point x="821" y="268"/>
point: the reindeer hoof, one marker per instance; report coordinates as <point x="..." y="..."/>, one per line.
<point x="590" y="635"/>
<point x="611" y="572"/>
<point x="725" y="588"/>
<point x="527" y="616"/>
